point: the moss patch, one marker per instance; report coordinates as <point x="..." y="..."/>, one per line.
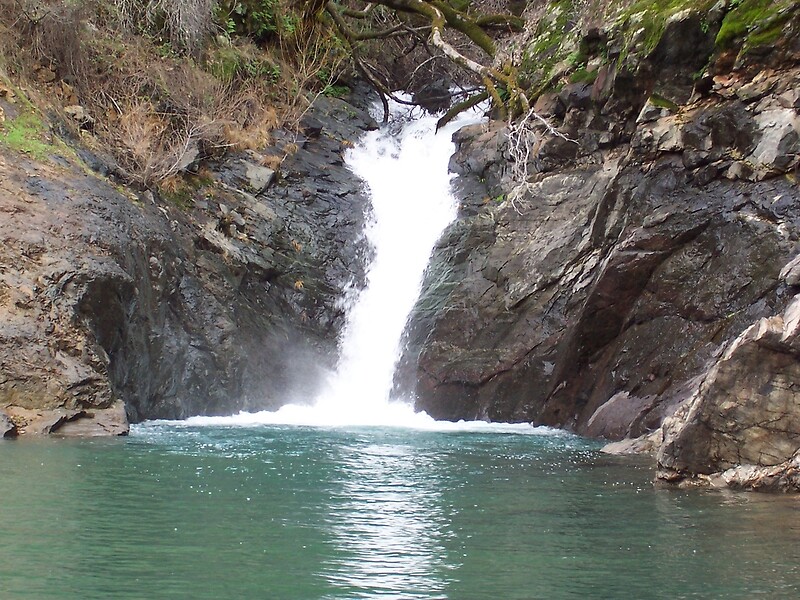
<point x="755" y="22"/>
<point x="583" y="75"/>
<point x="27" y="133"/>
<point x="661" y="102"/>
<point x="551" y="42"/>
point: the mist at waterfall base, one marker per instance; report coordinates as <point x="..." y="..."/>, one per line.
<point x="404" y="165"/>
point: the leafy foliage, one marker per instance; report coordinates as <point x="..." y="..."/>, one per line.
<point x="262" y="20"/>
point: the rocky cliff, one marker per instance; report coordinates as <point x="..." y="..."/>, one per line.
<point x="624" y="266"/>
<point x="118" y="306"/>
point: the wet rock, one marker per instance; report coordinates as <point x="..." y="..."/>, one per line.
<point x="605" y="294"/>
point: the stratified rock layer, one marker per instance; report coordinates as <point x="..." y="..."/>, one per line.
<point x="230" y="301"/>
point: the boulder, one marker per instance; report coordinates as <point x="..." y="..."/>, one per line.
<point x="258" y="177"/>
<point x="110" y="421"/>
<point x="78" y="114"/>
<point x="778" y="147"/>
<point x="790" y="274"/>
<point x="746" y="411"/>
<point x="7" y="427"/>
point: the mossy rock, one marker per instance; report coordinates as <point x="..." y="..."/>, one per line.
<point x="583" y="75"/>
<point x="554" y="41"/>
<point x="642" y="24"/>
<point x="24" y="130"/>
<point x="755" y="23"/>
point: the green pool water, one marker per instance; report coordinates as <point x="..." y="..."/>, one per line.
<point x="289" y="512"/>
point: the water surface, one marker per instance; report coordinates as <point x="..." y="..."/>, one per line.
<point x="177" y="511"/>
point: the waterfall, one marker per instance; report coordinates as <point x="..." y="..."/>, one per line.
<point x="405" y="167"/>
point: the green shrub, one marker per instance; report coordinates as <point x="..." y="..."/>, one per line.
<point x="261" y="20"/>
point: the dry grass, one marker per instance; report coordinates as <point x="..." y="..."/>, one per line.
<point x="156" y="108"/>
<point x="185" y="24"/>
<point x="163" y="115"/>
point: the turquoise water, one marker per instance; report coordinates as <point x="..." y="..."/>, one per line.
<point x="290" y="513"/>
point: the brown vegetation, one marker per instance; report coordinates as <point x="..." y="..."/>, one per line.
<point x="159" y="84"/>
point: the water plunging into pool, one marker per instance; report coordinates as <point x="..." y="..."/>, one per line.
<point x="404" y="165"/>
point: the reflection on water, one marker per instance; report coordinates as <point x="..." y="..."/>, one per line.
<point x="309" y="514"/>
<point x="387" y="523"/>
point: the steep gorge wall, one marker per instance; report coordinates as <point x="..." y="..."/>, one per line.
<point x="115" y="307"/>
<point x="619" y="284"/>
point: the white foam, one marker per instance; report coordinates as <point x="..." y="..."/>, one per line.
<point x="394" y="414"/>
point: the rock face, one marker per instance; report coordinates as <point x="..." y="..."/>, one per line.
<point x="635" y="273"/>
<point x="225" y="298"/>
<point x="7" y="427"/>
<point x="746" y="410"/>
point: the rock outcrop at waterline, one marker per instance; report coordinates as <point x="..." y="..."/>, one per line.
<point x="745" y="411"/>
<point x="226" y="299"/>
<point x="632" y="288"/>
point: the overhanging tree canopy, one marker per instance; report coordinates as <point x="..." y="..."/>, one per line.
<point x="429" y="20"/>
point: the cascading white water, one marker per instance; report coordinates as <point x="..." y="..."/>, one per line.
<point x="409" y="185"/>
<point x="405" y="168"/>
